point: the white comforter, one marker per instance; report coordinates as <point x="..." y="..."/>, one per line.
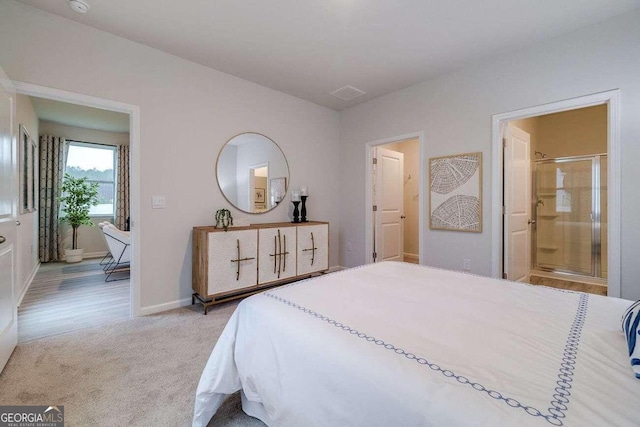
<point x="396" y="344"/>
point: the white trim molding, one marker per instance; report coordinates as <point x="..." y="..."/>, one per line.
<point x="184" y="302"/>
<point x="368" y="235"/>
<point x="89" y="255"/>
<point x="612" y="100"/>
<point x="134" y="143"/>
<point x="27" y="284"/>
<point x="413" y="258"/>
<point x="152" y="309"/>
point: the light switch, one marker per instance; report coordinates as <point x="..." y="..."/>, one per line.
<point x="158" y="202"/>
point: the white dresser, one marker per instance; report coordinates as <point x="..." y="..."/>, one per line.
<point x="244" y="260"/>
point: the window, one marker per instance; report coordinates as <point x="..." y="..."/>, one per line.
<point x="96" y="163"/>
<point x="563" y="197"/>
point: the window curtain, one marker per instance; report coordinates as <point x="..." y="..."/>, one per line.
<point x="122" y="203"/>
<point x="53" y="155"/>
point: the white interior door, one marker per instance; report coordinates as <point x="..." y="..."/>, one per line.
<point x="517" y="195"/>
<point x="8" y="205"/>
<point x="389" y="199"/>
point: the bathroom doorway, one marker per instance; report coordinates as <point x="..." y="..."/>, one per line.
<point x="555" y="195"/>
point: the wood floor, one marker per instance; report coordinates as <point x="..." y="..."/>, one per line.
<point x="65" y="297"/>
<point x="568" y="284"/>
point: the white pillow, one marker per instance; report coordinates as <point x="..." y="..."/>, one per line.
<point x="631" y="329"/>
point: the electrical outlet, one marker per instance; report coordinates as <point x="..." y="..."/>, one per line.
<point x="348" y="246"/>
<point x="466" y="264"/>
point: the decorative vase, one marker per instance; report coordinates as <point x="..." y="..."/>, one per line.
<point x="296" y="212"/>
<point x="73" y="255"/>
<point x="303" y="209"/>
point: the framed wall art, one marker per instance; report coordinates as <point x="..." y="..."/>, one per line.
<point x="455" y="192"/>
<point x="28" y="160"/>
<point x="260" y="196"/>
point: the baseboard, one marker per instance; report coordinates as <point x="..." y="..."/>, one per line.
<point x="414" y="258"/>
<point x="28" y="283"/>
<point x="87" y="255"/>
<point x="91" y="255"/>
<point x="145" y="311"/>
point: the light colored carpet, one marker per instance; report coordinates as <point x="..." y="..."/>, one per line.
<point x="137" y="372"/>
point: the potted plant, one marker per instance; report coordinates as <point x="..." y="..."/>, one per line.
<point x="223" y="218"/>
<point x="78" y="195"/>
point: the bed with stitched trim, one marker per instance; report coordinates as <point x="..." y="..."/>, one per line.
<point x="407" y="345"/>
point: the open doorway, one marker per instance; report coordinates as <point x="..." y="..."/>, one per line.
<point x="92" y="144"/>
<point x="558" y="172"/>
<point x="259" y="184"/>
<point x="394" y="186"/>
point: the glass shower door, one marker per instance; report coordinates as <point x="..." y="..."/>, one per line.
<point x="564" y="207"/>
<point x="604" y="236"/>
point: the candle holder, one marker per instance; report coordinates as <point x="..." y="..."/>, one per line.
<point x="303" y="209"/>
<point x="296" y="212"/>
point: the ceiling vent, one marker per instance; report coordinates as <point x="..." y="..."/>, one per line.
<point x="347" y="93"/>
<point x="79" y="6"/>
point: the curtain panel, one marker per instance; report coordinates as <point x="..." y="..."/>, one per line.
<point x="53" y="154"/>
<point x="122" y="203"/>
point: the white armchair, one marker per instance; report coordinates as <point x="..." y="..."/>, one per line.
<point x="119" y="243"/>
<point x="106" y="260"/>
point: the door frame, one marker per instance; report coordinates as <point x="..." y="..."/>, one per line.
<point x="368" y="222"/>
<point x="498" y="121"/>
<point x="9" y="334"/>
<point x="134" y="147"/>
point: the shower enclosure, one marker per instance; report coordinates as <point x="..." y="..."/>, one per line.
<point x="570" y="215"/>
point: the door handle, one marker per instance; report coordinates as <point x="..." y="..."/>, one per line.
<point x="402" y="216"/>
<point x="17" y="222"/>
<point x="2" y="239"/>
<point x="531" y="221"/>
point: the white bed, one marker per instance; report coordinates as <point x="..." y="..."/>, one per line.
<point x="395" y="344"/>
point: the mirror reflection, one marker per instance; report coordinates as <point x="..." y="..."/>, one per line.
<point x="252" y="173"/>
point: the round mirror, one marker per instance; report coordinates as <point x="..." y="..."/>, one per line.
<point x="252" y="173"/>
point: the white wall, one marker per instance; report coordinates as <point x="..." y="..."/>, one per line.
<point x="455" y="111"/>
<point x="84" y="135"/>
<point x="27" y="233"/>
<point x="227" y="169"/>
<point x="187" y="112"/>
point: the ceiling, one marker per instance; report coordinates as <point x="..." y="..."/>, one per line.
<point x="79" y="115"/>
<point x="310" y="48"/>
